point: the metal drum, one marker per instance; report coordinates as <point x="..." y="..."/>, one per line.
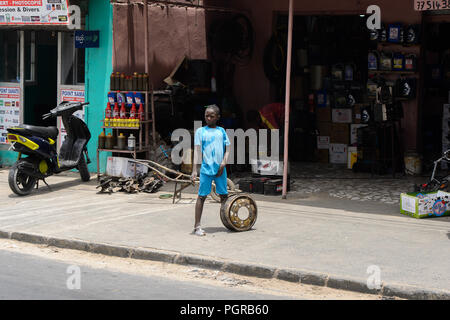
<point x="239" y="212"/>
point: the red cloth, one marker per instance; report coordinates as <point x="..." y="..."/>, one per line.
<point x="272" y="115"/>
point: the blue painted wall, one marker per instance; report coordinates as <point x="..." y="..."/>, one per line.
<point x="98" y="70"/>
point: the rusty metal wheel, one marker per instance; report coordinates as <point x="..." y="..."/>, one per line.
<point x="239" y="212"/>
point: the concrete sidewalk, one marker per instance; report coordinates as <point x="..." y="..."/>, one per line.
<point x="317" y="239"/>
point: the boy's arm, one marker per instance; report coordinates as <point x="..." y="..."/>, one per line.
<point x="224" y="161"/>
<point x="197" y="162"/>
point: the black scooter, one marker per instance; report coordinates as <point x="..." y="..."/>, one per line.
<point x="39" y="146"/>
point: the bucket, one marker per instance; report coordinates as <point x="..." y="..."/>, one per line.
<point x="413" y="163"/>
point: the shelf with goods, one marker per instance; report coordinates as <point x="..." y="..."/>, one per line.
<point x="142" y="127"/>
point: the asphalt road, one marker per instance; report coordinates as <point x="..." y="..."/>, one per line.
<point x="28" y="277"/>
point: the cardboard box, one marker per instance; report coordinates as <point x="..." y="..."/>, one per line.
<point x="425" y="205"/>
<point x="323" y="114"/>
<point x="340" y="133"/>
<point x="354" y="132"/>
<point x="323" y="156"/>
<point x="323" y="142"/>
<point x="341" y="115"/>
<point x="123" y="167"/>
<point x="267" y="167"/>
<point x="338" y="153"/>
<point x="324" y="128"/>
<point x="352" y="157"/>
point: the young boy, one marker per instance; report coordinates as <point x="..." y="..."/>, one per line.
<point x="212" y="144"/>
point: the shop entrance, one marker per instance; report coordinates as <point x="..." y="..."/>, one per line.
<point x="41" y="57"/>
<point x="435" y="121"/>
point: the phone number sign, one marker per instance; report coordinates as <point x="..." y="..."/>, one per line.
<point x="426" y="5"/>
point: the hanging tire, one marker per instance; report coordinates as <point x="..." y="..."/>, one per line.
<point x="230" y="187"/>
<point x="20" y="183"/>
<point x="82" y="167"/>
<point x="229" y="213"/>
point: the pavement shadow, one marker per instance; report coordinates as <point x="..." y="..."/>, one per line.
<point x="44" y="189"/>
<point x="222" y="230"/>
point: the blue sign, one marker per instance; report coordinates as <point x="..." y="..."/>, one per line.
<point x="87" y="39"/>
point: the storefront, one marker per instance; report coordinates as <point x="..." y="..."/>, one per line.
<point x="42" y="64"/>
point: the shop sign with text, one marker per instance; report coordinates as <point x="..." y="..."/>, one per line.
<point x="427" y="5"/>
<point x="34" y="12"/>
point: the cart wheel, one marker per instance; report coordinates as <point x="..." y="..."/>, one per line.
<point x="230" y="187"/>
<point x="239" y="212"/>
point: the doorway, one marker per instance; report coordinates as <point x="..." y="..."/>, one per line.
<point x="41" y="57"/>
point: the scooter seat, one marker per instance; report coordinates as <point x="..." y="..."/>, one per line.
<point x="43" y="132"/>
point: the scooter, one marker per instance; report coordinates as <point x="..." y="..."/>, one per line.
<point x="38" y="144"/>
<point x="436" y="183"/>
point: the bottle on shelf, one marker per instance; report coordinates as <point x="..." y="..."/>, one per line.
<point x="131" y="142"/>
<point x="141" y="115"/>
<point x="133" y="115"/>
<point x="108" y="114"/>
<point x="121" y="142"/>
<point x="117" y="81"/>
<point x="140" y="85"/>
<point x="122" y="82"/>
<point x="123" y="116"/>
<point x="135" y="81"/>
<point x="115" y="115"/>
<point x="145" y="81"/>
<point x="112" y="81"/>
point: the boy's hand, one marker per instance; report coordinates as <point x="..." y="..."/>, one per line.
<point x="194" y="175"/>
<point x="220" y="171"/>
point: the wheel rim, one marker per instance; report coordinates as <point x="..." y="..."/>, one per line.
<point x="24" y="182"/>
<point x="241" y="213"/>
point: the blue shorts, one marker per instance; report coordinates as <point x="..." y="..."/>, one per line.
<point x="206" y="183"/>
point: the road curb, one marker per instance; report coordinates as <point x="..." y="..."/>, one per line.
<point x="253" y="270"/>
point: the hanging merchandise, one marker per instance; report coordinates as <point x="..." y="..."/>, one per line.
<point x="322" y="98"/>
<point x="406" y="88"/>
<point x="351" y="101"/>
<point x="337" y="72"/>
<point x="365" y="115"/>
<point x="372" y="88"/>
<point x="412" y="34"/>
<point x="382" y="34"/>
<point x="384" y="94"/>
<point x="373" y="60"/>
<point x="410" y="62"/>
<point x="340" y="99"/>
<point x="373" y="35"/>
<point x="402" y="35"/>
<point x="349" y="71"/>
<point x="386" y="61"/>
<point x="379" y="112"/>
<point x="398" y="62"/>
<point x="394" y="32"/>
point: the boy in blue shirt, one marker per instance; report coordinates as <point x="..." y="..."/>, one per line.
<point x="212" y="144"/>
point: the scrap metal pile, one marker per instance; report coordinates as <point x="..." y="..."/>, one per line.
<point x="142" y="183"/>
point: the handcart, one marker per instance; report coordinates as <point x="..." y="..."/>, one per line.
<point x="231" y="212"/>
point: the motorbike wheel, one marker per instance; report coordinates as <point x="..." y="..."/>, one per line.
<point x="82" y="167"/>
<point x="216" y="197"/>
<point x="19" y="182"/>
<point x="231" y="217"/>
